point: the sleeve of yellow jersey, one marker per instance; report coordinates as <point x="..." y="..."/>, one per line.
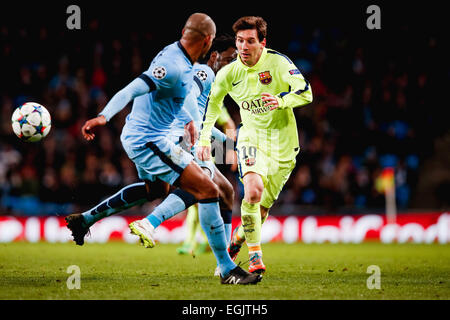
<point x="300" y="92"/>
<point x="224" y="116"/>
<point x="213" y="107"/>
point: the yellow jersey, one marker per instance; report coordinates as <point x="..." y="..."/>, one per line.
<point x="272" y="131"/>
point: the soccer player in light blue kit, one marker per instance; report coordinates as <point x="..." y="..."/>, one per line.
<point x="159" y="96"/>
<point x="178" y="200"/>
<point x="222" y="52"/>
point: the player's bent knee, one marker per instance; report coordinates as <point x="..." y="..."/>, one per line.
<point x="211" y="190"/>
<point x="198" y="183"/>
<point x="206" y="189"/>
<point x="253" y="187"/>
<point x="253" y="193"/>
<point x="254" y="196"/>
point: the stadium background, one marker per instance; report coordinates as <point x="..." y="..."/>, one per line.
<point x="376" y="103"/>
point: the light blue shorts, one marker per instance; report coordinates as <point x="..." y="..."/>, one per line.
<point x="160" y="159"/>
<point x="177" y="140"/>
<point x="204" y="164"/>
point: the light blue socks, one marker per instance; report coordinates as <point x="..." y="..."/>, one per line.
<point x="213" y="226"/>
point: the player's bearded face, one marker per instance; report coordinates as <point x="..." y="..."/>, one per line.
<point x="249" y="46"/>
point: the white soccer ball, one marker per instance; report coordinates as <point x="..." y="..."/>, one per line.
<point x="31" y="122"/>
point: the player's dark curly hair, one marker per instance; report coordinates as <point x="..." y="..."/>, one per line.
<point x="220" y="44"/>
<point x="251" y="22"/>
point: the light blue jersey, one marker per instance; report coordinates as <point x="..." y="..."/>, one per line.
<point x="159" y="95"/>
<point x="203" y="79"/>
<point x="195" y="104"/>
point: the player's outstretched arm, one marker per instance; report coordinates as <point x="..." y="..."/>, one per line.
<point x="136" y="88"/>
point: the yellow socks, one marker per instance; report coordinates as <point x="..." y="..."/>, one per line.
<point x="251" y="225"/>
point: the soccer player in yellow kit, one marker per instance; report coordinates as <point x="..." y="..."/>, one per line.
<point x="266" y="85"/>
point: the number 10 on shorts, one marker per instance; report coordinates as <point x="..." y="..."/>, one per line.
<point x="249" y="155"/>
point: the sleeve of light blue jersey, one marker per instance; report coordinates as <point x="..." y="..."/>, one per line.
<point x="119" y="101"/>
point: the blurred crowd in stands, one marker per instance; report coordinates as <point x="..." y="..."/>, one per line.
<point x="373" y="108"/>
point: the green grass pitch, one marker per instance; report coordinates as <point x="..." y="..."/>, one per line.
<point x="117" y="270"/>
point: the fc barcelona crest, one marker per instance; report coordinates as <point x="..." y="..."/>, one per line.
<point x="265" y="77"/>
<point x="250" y="162"/>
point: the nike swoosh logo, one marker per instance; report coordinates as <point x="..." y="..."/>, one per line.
<point x="213" y="228"/>
<point x="183" y="84"/>
<point x="236" y="83"/>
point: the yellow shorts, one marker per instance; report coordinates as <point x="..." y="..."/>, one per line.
<point x="274" y="173"/>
